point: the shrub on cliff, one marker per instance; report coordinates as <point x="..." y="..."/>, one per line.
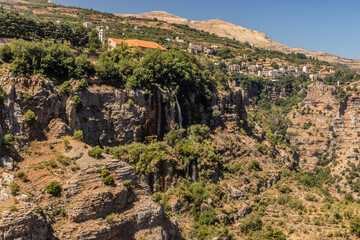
<point x="254" y="165"/>
<point x="30" y="117"/>
<point x="106" y="177"/>
<point x="82" y="85"/>
<point x="251" y="223"/>
<point x="78" y="135"/>
<point x="66" y="88"/>
<point x="126" y="184"/>
<point x="77" y="101"/>
<point x="95" y="152"/>
<point x="54" y="188"/>
<point x="14" y="188"/>
<point x="355" y="226"/>
<point x="8" y="140"/>
<point x="2" y="96"/>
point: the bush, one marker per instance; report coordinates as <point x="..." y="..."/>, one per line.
<point x="296" y="204"/>
<point x="105" y="173"/>
<point x="82" y="85"/>
<point x="275" y="235"/>
<point x="127" y="184"/>
<point x="108" y="180"/>
<point x="63" y="160"/>
<point x="8" y="140"/>
<point x="66" y="144"/>
<point x="109" y="218"/>
<point x="254" y="165"/>
<point x="54" y="188"/>
<point x="156" y="197"/>
<point x="106" y="177"/>
<point x="84" y="67"/>
<point x="14" y="188"/>
<point x="22" y="176"/>
<point x="77" y="101"/>
<point x="66" y="88"/>
<point x="95" y="152"/>
<point x="27" y="97"/>
<point x="75" y="167"/>
<point x="283" y="188"/>
<point x="78" y="135"/>
<point x="251" y="223"/>
<point x="30" y="117"/>
<point x="2" y="96"/>
<point x="207" y="217"/>
<point x="310" y="197"/>
<point x="355" y="226"/>
<point x="348" y="197"/>
<point x="6" y="54"/>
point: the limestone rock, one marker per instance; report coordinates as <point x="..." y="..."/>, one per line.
<point x="27" y="224"/>
<point x="7" y="163"/>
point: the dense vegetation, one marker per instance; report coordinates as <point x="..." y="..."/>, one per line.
<point x="16" y="26"/>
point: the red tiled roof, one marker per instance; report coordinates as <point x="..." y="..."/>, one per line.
<point x="138" y="43"/>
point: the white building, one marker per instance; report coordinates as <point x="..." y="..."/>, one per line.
<point x="306" y="69"/>
<point x="234" y="68"/>
<point x="87" y="24"/>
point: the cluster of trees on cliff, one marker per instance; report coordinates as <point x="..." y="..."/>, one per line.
<point x="14" y="25"/>
<point x="122" y="67"/>
<point x="52" y="60"/>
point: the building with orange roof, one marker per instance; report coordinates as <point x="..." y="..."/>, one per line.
<point x="113" y="43"/>
<point x="324" y="72"/>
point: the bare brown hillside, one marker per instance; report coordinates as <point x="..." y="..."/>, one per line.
<point x="259" y="39"/>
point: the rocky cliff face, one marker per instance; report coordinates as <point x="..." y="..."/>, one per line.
<point x="87" y="209"/>
<point x="326" y="128"/>
<point x="108" y="116"/>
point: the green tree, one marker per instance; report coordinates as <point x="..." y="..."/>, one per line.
<point x="95" y="152"/>
<point x="94" y="41"/>
<point x="84" y="67"/>
<point x="78" y="135"/>
<point x="30" y="117"/>
<point x="77" y="101"/>
<point x="54" y="188"/>
<point x="355" y="226"/>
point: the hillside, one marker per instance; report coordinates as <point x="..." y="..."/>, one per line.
<point x="229" y="30"/>
<point x="217" y="140"/>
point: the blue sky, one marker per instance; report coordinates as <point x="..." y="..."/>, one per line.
<point x="331" y="26"/>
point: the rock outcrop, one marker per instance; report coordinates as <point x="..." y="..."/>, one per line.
<point x="27" y="223"/>
<point x="108" y="116"/>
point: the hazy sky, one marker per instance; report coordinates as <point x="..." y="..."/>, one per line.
<point x="331" y="26"/>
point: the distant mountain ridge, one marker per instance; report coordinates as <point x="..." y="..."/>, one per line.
<point x="259" y="39"/>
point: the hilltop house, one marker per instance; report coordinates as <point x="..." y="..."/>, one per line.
<point x="259" y="65"/>
<point x="195" y="48"/>
<point x="87" y="24"/>
<point x="179" y="39"/>
<point x="324" y="72"/>
<point x="306" y="69"/>
<point x="214" y="47"/>
<point x="113" y="43"/>
<point x="234" y="68"/>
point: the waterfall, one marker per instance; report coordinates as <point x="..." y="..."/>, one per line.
<point x="179" y="112"/>
<point x="193" y="171"/>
